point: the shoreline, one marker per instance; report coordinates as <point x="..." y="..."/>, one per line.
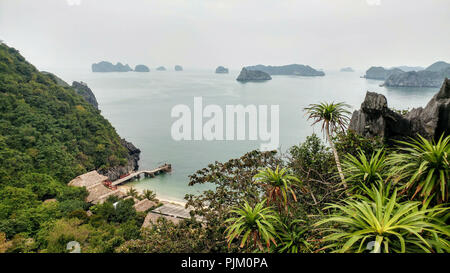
<point x="161" y="198"/>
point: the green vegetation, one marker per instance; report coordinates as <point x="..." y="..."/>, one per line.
<point x="260" y="202"/>
<point x="334" y="117"/>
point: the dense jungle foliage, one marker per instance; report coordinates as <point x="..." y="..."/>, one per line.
<point x="352" y="195"/>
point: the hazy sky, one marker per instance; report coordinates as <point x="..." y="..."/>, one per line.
<point x="326" y="34"/>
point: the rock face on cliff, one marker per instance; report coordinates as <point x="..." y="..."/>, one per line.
<point x="376" y="119"/>
<point x="221" y="70"/>
<point x="132" y="162"/>
<point x="380" y="73"/>
<point x="109" y="67"/>
<point x="292" y="69"/>
<point x="141" y="68"/>
<point x="82" y="89"/>
<point x="347" y="69"/>
<point x="161" y="68"/>
<point x="178" y="68"/>
<point x="252" y="75"/>
<point x="424" y="78"/>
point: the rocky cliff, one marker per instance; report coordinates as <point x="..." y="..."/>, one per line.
<point x="221" y="70"/>
<point x="114" y="173"/>
<point x="380" y="73"/>
<point x="82" y="89"/>
<point x="141" y="68"/>
<point x="376" y="119"/>
<point x="424" y="78"/>
<point x="292" y="69"/>
<point x="109" y="67"/>
<point x="252" y="75"/>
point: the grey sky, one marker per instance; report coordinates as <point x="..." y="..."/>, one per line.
<point x="326" y="34"/>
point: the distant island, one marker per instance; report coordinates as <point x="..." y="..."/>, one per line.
<point x="406" y="68"/>
<point x="161" y="68"/>
<point x="221" y="70"/>
<point x="292" y="69"/>
<point x="247" y="75"/>
<point x="347" y="69"/>
<point x="381" y="73"/>
<point x="104" y="66"/>
<point x="178" y="68"/>
<point x="141" y="68"/>
<point x="432" y="76"/>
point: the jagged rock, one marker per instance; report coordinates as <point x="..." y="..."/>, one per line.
<point x="347" y="69"/>
<point x="253" y="75"/>
<point x="161" y="68"/>
<point x="82" y="89"/>
<point x="380" y="73"/>
<point x="376" y="119"/>
<point x="114" y="173"/>
<point x="109" y="67"/>
<point x="141" y="68"/>
<point x="422" y="78"/>
<point x="221" y="70"/>
<point x="178" y="68"/>
<point x="292" y="69"/>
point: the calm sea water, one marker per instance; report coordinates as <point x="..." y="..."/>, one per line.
<point x="138" y="105"/>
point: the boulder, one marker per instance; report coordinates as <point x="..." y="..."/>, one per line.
<point x="376" y="119"/>
<point x="252" y="75"/>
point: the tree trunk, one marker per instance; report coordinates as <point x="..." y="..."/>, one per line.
<point x="336" y="156"/>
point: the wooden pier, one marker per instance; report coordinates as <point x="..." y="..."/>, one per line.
<point x="147" y="173"/>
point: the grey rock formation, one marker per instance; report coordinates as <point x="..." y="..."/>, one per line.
<point x="161" y="68"/>
<point x="252" y="75"/>
<point x="141" y="68"/>
<point x="292" y="69"/>
<point x="380" y="73"/>
<point x="109" y="67"/>
<point x="424" y="78"/>
<point x="438" y="66"/>
<point x="114" y="173"/>
<point x="82" y="89"/>
<point x="409" y="68"/>
<point x="221" y="70"/>
<point x="178" y="68"/>
<point x="347" y="69"/>
<point x="376" y="119"/>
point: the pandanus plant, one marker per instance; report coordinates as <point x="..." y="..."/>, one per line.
<point x="279" y="185"/>
<point x="361" y="171"/>
<point x="334" y="117"/>
<point x="424" y="167"/>
<point x="383" y="224"/>
<point x="255" y="224"/>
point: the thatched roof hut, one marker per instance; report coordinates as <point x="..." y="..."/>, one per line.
<point x="88" y="179"/>
<point x="144" y="205"/>
<point x="153" y="217"/>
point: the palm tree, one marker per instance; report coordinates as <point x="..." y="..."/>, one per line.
<point x="425" y="165"/>
<point x="385" y="224"/>
<point x="334" y="117"/>
<point x="132" y="192"/>
<point x="278" y="184"/>
<point x="362" y="170"/>
<point x="149" y="194"/>
<point x="253" y="223"/>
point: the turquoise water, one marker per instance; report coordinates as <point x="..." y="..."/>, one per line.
<point x="138" y="105"/>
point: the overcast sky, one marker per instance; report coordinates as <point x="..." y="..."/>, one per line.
<point x="325" y="34"/>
